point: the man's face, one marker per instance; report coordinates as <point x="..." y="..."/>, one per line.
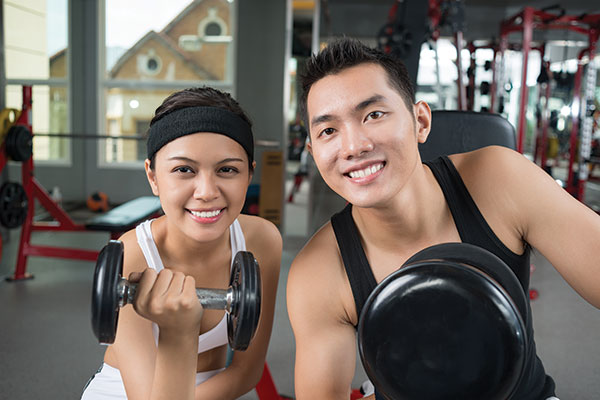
<point x="363" y="137"/>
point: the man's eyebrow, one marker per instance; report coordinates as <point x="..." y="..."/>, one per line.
<point x="366" y="103"/>
<point x="321" y="118"/>
<point x="359" y="107"/>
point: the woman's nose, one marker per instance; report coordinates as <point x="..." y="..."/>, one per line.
<point x="206" y="187"/>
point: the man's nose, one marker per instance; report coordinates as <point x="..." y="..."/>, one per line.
<point x="355" y="142"/>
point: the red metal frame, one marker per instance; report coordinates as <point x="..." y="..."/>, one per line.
<point x="265" y="389"/>
<point x="528" y="20"/>
<point x="35" y="191"/>
<point x="588" y="25"/>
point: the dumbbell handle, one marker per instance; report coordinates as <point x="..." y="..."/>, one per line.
<point x="215" y="299"/>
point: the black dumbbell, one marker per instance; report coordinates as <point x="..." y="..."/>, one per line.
<point x="241" y="300"/>
<point x="449" y="324"/>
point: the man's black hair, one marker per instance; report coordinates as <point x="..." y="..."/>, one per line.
<point x="345" y="53"/>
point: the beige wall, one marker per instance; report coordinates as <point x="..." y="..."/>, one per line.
<point x="26" y="55"/>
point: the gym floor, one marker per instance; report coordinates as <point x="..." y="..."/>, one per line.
<point x="48" y="349"/>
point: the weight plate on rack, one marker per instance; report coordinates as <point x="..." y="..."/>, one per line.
<point x="19" y="143"/>
<point x="13" y="205"/>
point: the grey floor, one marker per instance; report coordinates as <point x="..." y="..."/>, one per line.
<point x="48" y="351"/>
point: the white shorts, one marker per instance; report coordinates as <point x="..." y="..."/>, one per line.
<point x="108" y="384"/>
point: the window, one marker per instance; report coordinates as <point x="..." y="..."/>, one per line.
<point x="37" y="56"/>
<point x="212" y="29"/>
<point x="164" y="49"/>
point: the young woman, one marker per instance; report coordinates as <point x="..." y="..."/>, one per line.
<point x="200" y="163"/>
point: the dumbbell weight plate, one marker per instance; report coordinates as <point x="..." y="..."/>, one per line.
<point x="105" y="299"/>
<point x="242" y="321"/>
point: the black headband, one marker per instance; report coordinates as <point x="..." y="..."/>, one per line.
<point x="186" y="121"/>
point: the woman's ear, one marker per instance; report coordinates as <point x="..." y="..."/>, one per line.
<point x="251" y="174"/>
<point x="422" y="121"/>
<point x="151" y="175"/>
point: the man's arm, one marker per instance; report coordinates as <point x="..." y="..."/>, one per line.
<point x="325" y="341"/>
<point x="544" y="215"/>
<point x="563" y="229"/>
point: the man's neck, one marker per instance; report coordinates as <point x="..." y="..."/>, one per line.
<point x="416" y="216"/>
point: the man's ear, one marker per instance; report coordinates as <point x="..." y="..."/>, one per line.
<point x="151" y="175"/>
<point x="422" y="121"/>
<point x="309" y="147"/>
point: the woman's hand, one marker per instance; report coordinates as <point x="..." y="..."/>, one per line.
<point x="169" y="299"/>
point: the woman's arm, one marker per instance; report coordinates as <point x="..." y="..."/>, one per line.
<point x="169" y="299"/>
<point x="146" y="369"/>
<point x="264" y="241"/>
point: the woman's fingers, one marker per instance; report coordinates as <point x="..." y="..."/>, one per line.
<point x="168" y="298"/>
<point x="134" y="277"/>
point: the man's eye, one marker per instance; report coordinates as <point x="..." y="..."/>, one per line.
<point x="327" y="131"/>
<point x="375" y="115"/>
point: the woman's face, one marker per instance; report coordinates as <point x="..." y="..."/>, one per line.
<point x="201" y="180"/>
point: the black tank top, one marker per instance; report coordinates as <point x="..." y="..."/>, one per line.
<point x="473" y="229"/>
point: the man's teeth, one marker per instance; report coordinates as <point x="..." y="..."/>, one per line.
<point x="206" y="214"/>
<point x="365" y="172"/>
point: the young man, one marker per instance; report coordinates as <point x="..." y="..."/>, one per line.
<point x="364" y="128"/>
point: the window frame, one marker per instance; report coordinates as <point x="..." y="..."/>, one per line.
<point x="104" y="83"/>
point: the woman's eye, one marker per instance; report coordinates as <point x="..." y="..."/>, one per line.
<point x="375" y="115"/>
<point x="228" y="170"/>
<point x="183" y="169"/>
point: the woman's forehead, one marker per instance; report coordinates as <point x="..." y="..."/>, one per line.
<point x="203" y="145"/>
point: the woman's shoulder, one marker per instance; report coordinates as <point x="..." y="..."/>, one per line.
<point x="262" y="237"/>
<point x="257" y="229"/>
<point x="133" y="258"/>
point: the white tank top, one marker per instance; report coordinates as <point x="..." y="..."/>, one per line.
<point x="217" y="336"/>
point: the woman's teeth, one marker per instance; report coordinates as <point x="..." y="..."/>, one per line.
<point x="206" y="214"/>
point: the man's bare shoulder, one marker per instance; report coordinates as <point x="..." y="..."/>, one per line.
<point x="494" y="170"/>
<point x="320" y="253"/>
<point x="491" y="162"/>
<point x="318" y="269"/>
